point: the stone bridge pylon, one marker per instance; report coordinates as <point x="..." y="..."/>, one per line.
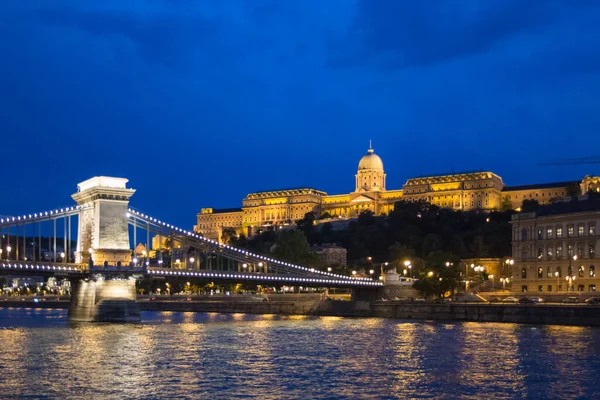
<point x="103" y="232"/>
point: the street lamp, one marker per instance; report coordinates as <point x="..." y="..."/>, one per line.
<point x="430" y="274"/>
<point x="408" y="265"/>
<point x="570" y="279"/>
<point x="353" y="273"/>
<point x="504" y="282"/>
<point x="62" y="256"/>
<point x="8" y="249"/>
<point x="328" y="269"/>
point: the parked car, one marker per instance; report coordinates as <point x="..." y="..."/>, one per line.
<point x="510" y="300"/>
<point x="526" y="300"/>
<point x="570" y="300"/>
<point x="494" y="300"/>
<point x="537" y="299"/>
<point x="592" y="300"/>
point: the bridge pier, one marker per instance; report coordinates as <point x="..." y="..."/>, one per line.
<point x="103" y="300"/>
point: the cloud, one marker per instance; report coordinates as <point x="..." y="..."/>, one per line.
<point x="402" y="34"/>
<point x="166" y="37"/>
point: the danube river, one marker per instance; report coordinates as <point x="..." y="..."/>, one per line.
<point x="187" y="355"/>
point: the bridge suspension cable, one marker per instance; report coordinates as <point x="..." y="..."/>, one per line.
<point x="165" y="229"/>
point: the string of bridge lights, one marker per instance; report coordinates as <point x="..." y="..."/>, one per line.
<point x="38" y="267"/>
<point x="52" y="213"/>
<point x="265" y="277"/>
<point x="194" y="235"/>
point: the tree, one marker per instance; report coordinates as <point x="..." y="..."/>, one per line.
<point x="479" y="248"/>
<point x="506" y="204"/>
<point x="530" y="205"/>
<point x="306" y="224"/>
<point x="573" y="189"/>
<point x="227" y="234"/>
<point x="293" y="247"/>
<point x="326" y="230"/>
<point x="325" y="215"/>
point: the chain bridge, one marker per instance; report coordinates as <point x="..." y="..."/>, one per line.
<point x="105" y="229"/>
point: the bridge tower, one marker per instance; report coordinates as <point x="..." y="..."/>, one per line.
<point x="103" y="226"/>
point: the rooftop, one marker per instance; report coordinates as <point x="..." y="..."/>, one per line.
<point x="287" y="190"/>
<point x="539" y="186"/>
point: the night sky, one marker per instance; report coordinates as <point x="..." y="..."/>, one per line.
<point x="200" y="102"/>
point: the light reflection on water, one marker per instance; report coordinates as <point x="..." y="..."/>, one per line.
<point x="189" y="355"/>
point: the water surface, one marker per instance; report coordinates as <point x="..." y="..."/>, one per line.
<point x="192" y="355"/>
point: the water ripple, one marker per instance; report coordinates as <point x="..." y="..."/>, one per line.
<point x="189" y="356"/>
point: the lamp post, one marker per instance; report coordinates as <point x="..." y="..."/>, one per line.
<point x="491" y="276"/>
<point x="408" y="265"/>
<point x="8" y="249"/>
<point x="557" y="284"/>
<point x="570" y="279"/>
<point x="509" y="262"/>
<point x="504" y="282"/>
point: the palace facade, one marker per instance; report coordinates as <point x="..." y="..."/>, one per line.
<point x="459" y="191"/>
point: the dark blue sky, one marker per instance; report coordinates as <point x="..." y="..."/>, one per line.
<point x="200" y="102"/>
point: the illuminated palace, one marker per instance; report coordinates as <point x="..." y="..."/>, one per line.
<point x="460" y="191"/>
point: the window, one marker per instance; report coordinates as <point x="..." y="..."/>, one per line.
<point x="558" y="272"/>
<point x="523" y="232"/>
<point x="580" y="230"/>
<point x="559" y="232"/>
<point x="549" y="288"/>
<point x="570" y="250"/>
<point x="570" y="231"/>
<point x="559" y="251"/>
<point x="549" y="252"/>
<point x="540" y="235"/>
<point x="549" y="272"/>
<point x="580" y="271"/>
<point x="580" y="288"/>
<point x="540" y="273"/>
<point x="592" y="230"/>
<point x="592" y="250"/>
<point x="592" y="271"/>
<point x="549" y="233"/>
<point x="540" y="253"/>
<point x="540" y="288"/>
<point x="524" y="273"/>
<point x="524" y="288"/>
<point x="580" y="250"/>
<point x="592" y="288"/>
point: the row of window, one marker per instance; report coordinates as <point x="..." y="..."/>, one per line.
<point x="557" y="273"/>
<point x="552" y="251"/>
<point x="557" y="232"/>
<point x="580" y="288"/>
<point x="524" y="196"/>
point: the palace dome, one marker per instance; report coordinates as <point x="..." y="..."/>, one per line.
<point x="370" y="161"/>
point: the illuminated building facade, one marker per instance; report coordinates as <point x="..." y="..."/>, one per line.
<point x="459" y="191"/>
<point x="556" y="252"/>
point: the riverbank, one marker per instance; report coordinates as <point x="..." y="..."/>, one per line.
<point x="545" y="314"/>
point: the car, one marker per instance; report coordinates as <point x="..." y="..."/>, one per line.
<point x="570" y="300"/>
<point x="510" y="300"/>
<point x="494" y="300"/>
<point x="593" y="300"/>
<point x="537" y="299"/>
<point x="526" y="300"/>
